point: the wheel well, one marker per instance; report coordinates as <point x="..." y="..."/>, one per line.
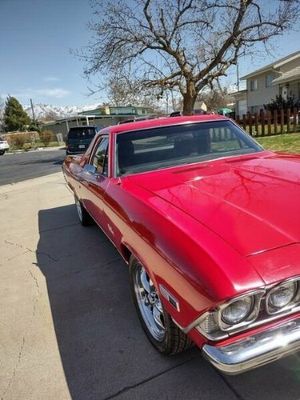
<point x="126" y="253"/>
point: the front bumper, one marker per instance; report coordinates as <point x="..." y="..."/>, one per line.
<point x="255" y="350"/>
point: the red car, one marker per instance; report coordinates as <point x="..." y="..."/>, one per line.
<point x="209" y="224"/>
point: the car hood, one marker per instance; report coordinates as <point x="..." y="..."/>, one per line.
<point x="251" y="202"/>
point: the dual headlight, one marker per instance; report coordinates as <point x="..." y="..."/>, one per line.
<point x="237" y="311"/>
<point x="244" y="310"/>
<point x="230" y="316"/>
<point x="282" y="297"/>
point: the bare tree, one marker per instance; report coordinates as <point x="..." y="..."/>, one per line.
<point x="181" y="44"/>
<point x="215" y="98"/>
<point x="125" y="90"/>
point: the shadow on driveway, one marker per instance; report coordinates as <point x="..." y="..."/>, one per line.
<point x="103" y="349"/>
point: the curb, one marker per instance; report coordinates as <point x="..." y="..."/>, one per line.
<point x="35" y="150"/>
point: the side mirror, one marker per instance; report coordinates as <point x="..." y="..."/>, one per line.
<point x="89" y="169"/>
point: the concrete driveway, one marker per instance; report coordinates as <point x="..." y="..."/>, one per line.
<point x="68" y="329"/>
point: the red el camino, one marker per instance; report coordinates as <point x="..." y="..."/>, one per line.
<point x="209" y="224"/>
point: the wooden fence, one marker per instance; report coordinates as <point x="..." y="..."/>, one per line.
<point x="267" y="123"/>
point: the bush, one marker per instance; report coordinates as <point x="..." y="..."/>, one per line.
<point x="46" y="137"/>
<point x="281" y="103"/>
<point x="34" y="127"/>
<point x="27" y="146"/>
<point x="18" y="140"/>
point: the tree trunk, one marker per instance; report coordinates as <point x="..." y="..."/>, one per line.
<point x="189" y="99"/>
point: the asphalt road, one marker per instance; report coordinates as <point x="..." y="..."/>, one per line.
<point x="19" y="167"/>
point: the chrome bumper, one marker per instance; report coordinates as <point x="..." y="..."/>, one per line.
<point x="255" y="350"/>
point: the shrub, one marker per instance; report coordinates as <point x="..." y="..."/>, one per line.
<point x="18" y="140"/>
<point x="281" y="103"/>
<point x="34" y="127"/>
<point x="46" y="137"/>
<point x="27" y="146"/>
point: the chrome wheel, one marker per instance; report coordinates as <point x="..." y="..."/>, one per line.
<point x="149" y="304"/>
<point x="79" y="209"/>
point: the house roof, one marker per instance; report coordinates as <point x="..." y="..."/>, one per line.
<point x="273" y="65"/>
<point x="288" y="76"/>
<point x="238" y="93"/>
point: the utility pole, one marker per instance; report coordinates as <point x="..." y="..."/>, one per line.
<point x="32" y="110"/>
<point x="237" y="77"/>
<point x="167" y="96"/>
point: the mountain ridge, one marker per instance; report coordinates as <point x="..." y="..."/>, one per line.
<point x="48" y="112"/>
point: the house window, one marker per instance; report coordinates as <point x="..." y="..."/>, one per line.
<point x="269" y="80"/>
<point x="253" y="85"/>
<point x="254" y="109"/>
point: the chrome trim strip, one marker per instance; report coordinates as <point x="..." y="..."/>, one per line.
<point x="176" y="323"/>
<point x="256" y="350"/>
<point x="192" y="325"/>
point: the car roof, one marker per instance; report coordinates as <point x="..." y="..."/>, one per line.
<point x="83" y="127"/>
<point x="160" y="122"/>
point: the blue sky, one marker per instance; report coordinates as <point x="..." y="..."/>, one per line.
<point x="35" y="41"/>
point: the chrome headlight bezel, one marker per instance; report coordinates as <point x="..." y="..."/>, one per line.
<point x="256" y="298"/>
<point x="211" y="325"/>
<point x="237" y="311"/>
<point x="214" y="319"/>
<point x="272" y="310"/>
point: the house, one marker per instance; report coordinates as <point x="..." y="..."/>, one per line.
<point x="240" y="98"/>
<point x="281" y="77"/>
<point x="125" y="111"/>
<point x="100" y="117"/>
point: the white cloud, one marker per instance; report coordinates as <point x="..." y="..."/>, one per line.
<point x="57" y="93"/>
<point x="51" y="79"/>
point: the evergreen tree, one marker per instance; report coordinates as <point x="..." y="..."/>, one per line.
<point x="15" y="118"/>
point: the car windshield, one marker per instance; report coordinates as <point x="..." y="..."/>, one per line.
<point x="81" y="133"/>
<point x="152" y="149"/>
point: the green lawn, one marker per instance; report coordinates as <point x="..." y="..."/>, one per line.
<point x="286" y="142"/>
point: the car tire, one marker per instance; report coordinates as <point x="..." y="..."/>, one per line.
<point x="159" y="327"/>
<point x="83" y="216"/>
<point x="2" y="152"/>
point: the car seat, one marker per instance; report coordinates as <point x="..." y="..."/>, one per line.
<point x="125" y="153"/>
<point x="184" y="146"/>
<point x="203" y="141"/>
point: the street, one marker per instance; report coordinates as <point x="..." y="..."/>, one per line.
<point x="17" y="167"/>
<point x="68" y="326"/>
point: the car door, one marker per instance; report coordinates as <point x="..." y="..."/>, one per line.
<point x="95" y="180"/>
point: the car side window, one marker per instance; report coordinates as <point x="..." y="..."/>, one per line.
<point x="99" y="159"/>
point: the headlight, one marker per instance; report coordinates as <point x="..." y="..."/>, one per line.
<point x="237" y="311"/>
<point x="236" y="314"/>
<point x="281" y="296"/>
